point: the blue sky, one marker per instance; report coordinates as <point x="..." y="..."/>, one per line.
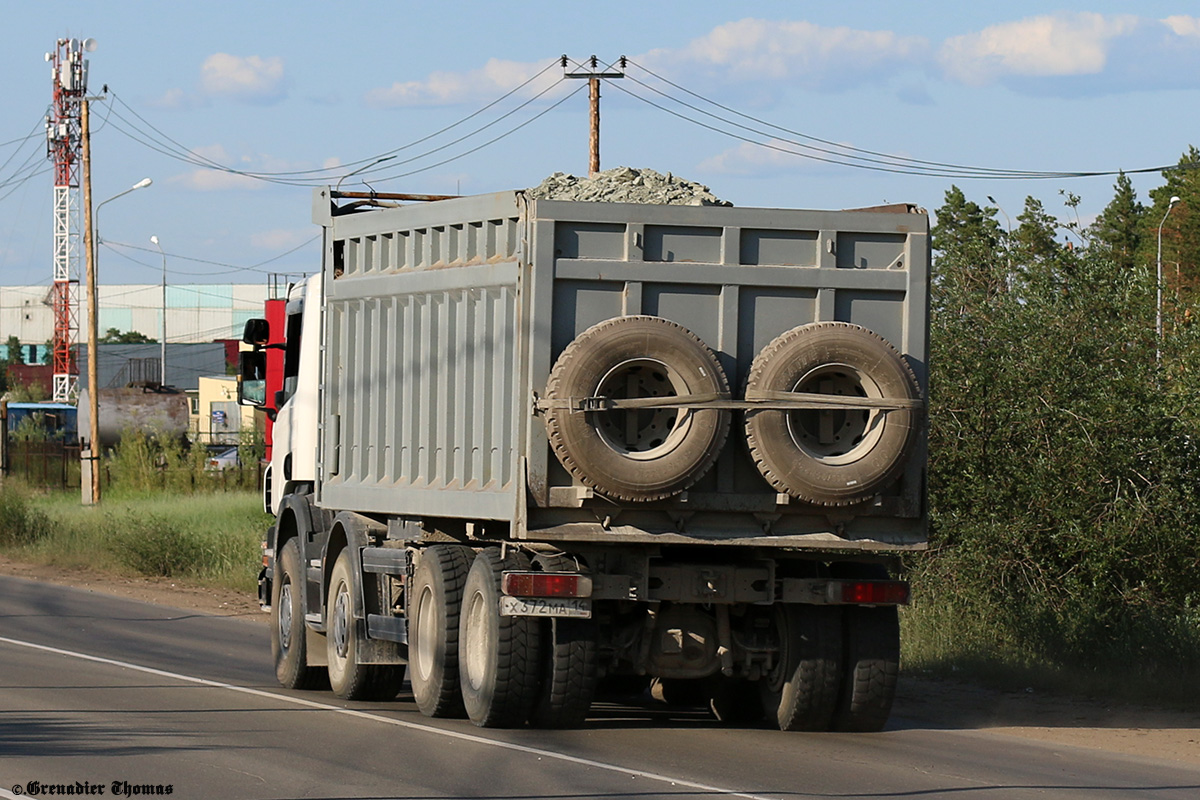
<point x="322" y="88"/>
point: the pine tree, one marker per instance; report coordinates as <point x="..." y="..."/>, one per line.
<point x="967" y="233"/>
<point x="961" y="222"/>
<point x="1179" y="232"/>
<point x="1120" y="228"/>
<point x="1035" y="239"/>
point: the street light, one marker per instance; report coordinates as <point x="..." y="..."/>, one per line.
<point x="93" y="336"/>
<point x="1158" y="326"/>
<point x="142" y="184"/>
<point x="162" y="379"/>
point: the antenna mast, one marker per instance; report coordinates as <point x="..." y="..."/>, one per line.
<point x="63" y="142"/>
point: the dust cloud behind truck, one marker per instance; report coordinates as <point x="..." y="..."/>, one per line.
<point x="529" y="446"/>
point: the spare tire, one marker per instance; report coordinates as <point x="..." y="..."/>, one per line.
<point x="832" y="457"/>
<point x="645" y="454"/>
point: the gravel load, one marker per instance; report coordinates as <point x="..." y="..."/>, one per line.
<point x="626" y="185"/>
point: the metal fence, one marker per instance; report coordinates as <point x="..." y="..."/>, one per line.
<point x="55" y="465"/>
<point x="48" y="464"/>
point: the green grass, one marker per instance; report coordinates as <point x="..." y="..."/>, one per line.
<point x="1141" y="656"/>
<point x="212" y="539"/>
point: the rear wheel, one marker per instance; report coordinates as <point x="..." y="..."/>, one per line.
<point x="569" y="673"/>
<point x="434" y="606"/>
<point x="872" y="666"/>
<point x="347" y="677"/>
<point x="498" y="656"/>
<point x="801" y="690"/>
<point x="288" y="645"/>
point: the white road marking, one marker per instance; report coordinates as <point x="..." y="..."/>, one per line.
<point x="350" y="712"/>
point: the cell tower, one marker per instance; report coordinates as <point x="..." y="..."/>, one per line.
<point x="63" y="145"/>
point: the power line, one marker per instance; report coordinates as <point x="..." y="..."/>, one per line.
<point x="846" y="155"/>
<point x="233" y="268"/>
<point x="839" y="148"/>
<point x="168" y="146"/>
<point x="33" y="133"/>
<point x="489" y="142"/>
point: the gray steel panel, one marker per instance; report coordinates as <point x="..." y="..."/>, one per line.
<point x="446" y="319"/>
<point x="737" y="278"/>
<point x="715" y="216"/>
<point x="775" y="276"/>
<point x="420" y="343"/>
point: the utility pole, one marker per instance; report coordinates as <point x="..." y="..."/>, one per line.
<point x="91" y="490"/>
<point x="593" y="78"/>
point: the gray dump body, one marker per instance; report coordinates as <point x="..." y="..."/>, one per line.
<point x="443" y="321"/>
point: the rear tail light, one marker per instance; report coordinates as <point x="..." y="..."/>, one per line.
<point x="546" y="584"/>
<point x="869" y="593"/>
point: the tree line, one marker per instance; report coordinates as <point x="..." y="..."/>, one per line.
<point x="1065" y="433"/>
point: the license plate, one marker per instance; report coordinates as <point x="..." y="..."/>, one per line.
<point x="545" y="607"/>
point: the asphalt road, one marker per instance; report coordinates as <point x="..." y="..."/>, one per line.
<point x="104" y="693"/>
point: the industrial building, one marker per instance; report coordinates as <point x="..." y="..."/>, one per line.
<point x="200" y="312"/>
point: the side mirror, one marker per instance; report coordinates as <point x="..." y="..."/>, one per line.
<point x="257" y="332"/>
<point x="252" y="377"/>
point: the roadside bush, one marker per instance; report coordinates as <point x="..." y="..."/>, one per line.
<point x="144" y="463"/>
<point x="20" y="522"/>
<point x="151" y="545"/>
<point x="1064" y="451"/>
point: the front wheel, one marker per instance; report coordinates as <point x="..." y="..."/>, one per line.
<point x="348" y="678"/>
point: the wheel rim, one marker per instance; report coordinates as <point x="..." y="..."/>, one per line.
<point x="476" y="644"/>
<point x="643" y="434"/>
<point x="341" y="622"/>
<point x="836" y="436"/>
<point x="285" y="615"/>
<point x="426" y="637"/>
<point x="777" y="676"/>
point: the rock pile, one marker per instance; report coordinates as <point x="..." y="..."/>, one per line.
<point x="626" y="185"/>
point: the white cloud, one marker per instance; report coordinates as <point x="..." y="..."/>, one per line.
<point x="753" y="159"/>
<point x="1079" y="54"/>
<point x="748" y="51"/>
<point x="1183" y="26"/>
<point x="280" y="238"/>
<point x="444" y="88"/>
<point x="799" y="52"/>
<point x="211" y="180"/>
<point x="175" y="99"/>
<point x="249" y="78"/>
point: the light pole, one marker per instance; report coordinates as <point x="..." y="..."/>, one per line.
<point x="162" y="359"/>
<point x="92" y="232"/>
<point x="1158" y="325"/>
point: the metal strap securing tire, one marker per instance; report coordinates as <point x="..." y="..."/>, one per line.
<point x="858" y="445"/>
<point x="641" y="453"/>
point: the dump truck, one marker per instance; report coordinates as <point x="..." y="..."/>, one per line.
<point x="527" y="449"/>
